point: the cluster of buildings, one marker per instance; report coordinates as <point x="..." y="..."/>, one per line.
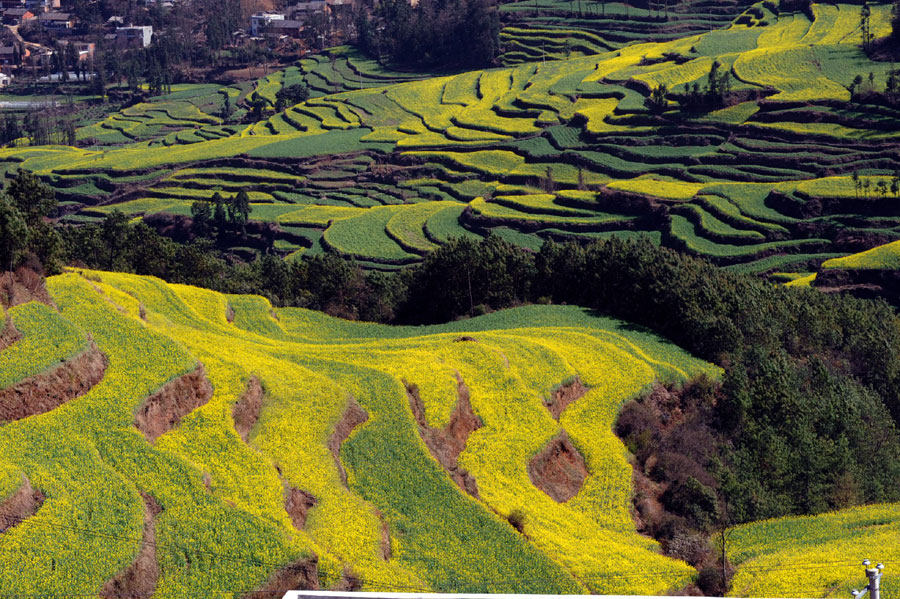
<point x="55" y="27"/>
<point x="297" y="19"/>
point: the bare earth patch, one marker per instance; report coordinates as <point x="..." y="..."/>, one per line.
<point x="353" y="416"/>
<point x="8" y="333"/>
<point x="22" y="504"/>
<point x="45" y="392"/>
<point x="565" y="395"/>
<point x="297" y="504"/>
<point x="445" y="444"/>
<point x="139" y="579"/>
<point x="559" y="469"/>
<point x="163" y="410"/>
<point x="23" y="286"/>
<point x="302" y="575"/>
<point x="246" y="411"/>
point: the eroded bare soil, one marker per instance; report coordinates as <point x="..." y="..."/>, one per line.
<point x="246" y="411"/>
<point x="565" y="395"/>
<point x="301" y="575"/>
<point x="139" y="579"/>
<point x="559" y="470"/>
<point x="163" y="410"/>
<point x="19" y="506"/>
<point x="353" y="416"/>
<point x="45" y="392"/>
<point x="446" y="443"/>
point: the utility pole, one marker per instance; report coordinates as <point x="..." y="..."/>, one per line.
<point x="874" y="586"/>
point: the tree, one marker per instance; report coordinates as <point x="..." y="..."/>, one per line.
<point x="290" y="95"/>
<point x="856" y="86"/>
<point x="114" y="231"/>
<point x="33" y="198"/>
<point x="45" y="242"/>
<point x="227" y="108"/>
<point x="718" y="84"/>
<point x="220" y="217"/>
<point x="201" y="218"/>
<point x="239" y="210"/>
<point x="895" y="23"/>
<point x="13" y="233"/>
<point x="436" y="32"/>
<point x="657" y="101"/>
<point x="865" y="13"/>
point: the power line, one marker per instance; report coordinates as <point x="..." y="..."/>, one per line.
<point x="372" y="583"/>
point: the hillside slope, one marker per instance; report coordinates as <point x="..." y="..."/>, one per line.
<point x="816" y="555"/>
<point x="561" y="149"/>
<point x="253" y="448"/>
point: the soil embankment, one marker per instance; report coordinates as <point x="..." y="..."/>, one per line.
<point x="139" y="579"/>
<point x="245" y="411"/>
<point x="245" y="414"/>
<point x="565" y="395"/>
<point x="446" y="443"/>
<point x="301" y="575"/>
<point x="23" y="286"/>
<point x="163" y="410"/>
<point x="559" y="470"/>
<point x="297" y="504"/>
<point x="353" y="416"/>
<point x="8" y="333"/>
<point x="45" y="392"/>
<point x="22" y="504"/>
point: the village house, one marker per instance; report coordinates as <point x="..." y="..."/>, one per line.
<point x="42" y="6"/>
<point x="287" y="27"/>
<point x="261" y="20"/>
<point x="17" y="16"/>
<point x="341" y="8"/>
<point x="57" y="21"/>
<point x="83" y="50"/>
<point x="13" y="55"/>
<point x="304" y="10"/>
<point x="134" y="36"/>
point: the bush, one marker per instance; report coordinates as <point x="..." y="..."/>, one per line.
<point x="693" y="500"/>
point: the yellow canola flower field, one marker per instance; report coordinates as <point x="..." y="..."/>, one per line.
<point x="816" y="556"/>
<point x="385" y="510"/>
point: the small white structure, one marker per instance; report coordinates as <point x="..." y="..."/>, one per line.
<point x="134" y="36"/>
<point x="5" y="79"/>
<point x="261" y="20"/>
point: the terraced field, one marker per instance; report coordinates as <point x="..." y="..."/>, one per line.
<point x="771" y="555"/>
<point x="558" y="149"/>
<point x="560" y="29"/>
<point x="236" y="447"/>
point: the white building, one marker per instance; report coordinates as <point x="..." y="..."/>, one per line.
<point x="261" y="20"/>
<point x="134" y="36"/>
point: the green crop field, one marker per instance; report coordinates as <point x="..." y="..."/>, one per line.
<point x="385" y="511"/>
<point x="768" y="175"/>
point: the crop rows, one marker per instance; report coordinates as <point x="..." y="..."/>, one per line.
<point x="768" y="176"/>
